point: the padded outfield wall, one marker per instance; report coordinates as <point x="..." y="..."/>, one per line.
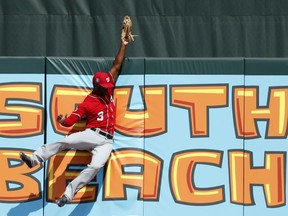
<point x="193" y="136"/>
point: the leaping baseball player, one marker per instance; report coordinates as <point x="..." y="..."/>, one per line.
<point x="99" y="109"/>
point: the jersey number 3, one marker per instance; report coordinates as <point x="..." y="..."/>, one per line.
<point x="100" y="116"/>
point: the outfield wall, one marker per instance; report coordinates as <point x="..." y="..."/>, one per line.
<point x="193" y="136"/>
<point x="164" y="28"/>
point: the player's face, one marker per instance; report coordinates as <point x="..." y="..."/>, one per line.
<point x="99" y="90"/>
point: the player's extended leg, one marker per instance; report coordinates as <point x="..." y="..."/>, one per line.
<point x="82" y="140"/>
<point x="44" y="152"/>
<point x="100" y="155"/>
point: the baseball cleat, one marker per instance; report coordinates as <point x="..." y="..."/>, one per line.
<point x="26" y="159"/>
<point x="62" y="201"/>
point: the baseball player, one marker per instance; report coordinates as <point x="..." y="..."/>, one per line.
<point x="99" y="109"/>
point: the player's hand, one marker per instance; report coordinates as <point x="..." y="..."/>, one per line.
<point x="61" y="118"/>
<point x="125" y="42"/>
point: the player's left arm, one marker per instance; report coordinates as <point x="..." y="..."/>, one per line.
<point x="118" y="60"/>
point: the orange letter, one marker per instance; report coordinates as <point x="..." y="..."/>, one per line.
<point x="27" y="119"/>
<point x="13" y="174"/>
<point x="247" y="112"/>
<point x="198" y="99"/>
<point x="61" y="103"/>
<point x="132" y="122"/>
<point x="60" y="173"/>
<point x="182" y="168"/>
<point x="118" y="175"/>
<point x="271" y="176"/>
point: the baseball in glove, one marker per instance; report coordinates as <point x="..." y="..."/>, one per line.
<point x="126" y="31"/>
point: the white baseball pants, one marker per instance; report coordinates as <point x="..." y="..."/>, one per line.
<point x="88" y="140"/>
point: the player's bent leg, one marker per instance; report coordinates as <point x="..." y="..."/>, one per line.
<point x="100" y="155"/>
<point x="62" y="201"/>
<point x="80" y="181"/>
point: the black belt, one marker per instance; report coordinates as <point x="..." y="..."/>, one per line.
<point x="103" y="133"/>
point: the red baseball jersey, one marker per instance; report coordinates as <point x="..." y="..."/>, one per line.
<point x="99" y="111"/>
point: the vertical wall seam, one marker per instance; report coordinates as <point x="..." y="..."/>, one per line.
<point x="45" y="130"/>
<point x="244" y="138"/>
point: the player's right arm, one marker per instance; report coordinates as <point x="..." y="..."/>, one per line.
<point x="67" y="121"/>
<point x="73" y="118"/>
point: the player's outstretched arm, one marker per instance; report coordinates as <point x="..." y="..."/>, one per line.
<point x="119" y="59"/>
<point x="126" y="37"/>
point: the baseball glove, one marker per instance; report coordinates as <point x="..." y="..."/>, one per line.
<point x="126" y="31"/>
